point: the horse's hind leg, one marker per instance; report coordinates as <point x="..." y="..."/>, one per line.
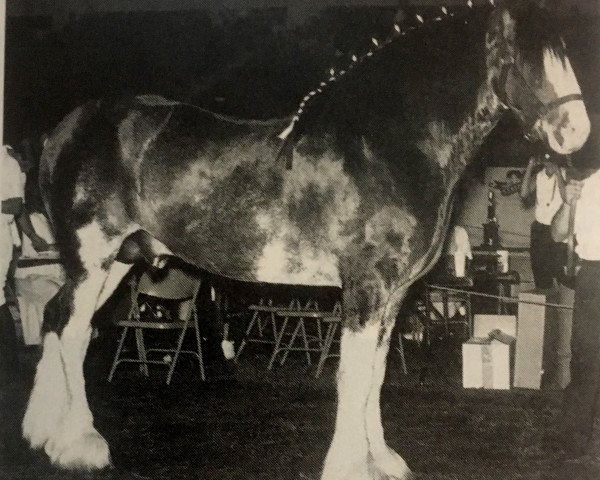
<point x="67" y="430"/>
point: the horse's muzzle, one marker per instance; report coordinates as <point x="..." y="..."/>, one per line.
<point x="567" y="128"/>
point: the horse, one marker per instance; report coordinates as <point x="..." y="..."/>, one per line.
<point x="354" y="190"/>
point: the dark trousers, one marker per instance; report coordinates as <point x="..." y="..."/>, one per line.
<point x="547" y="256"/>
<point x="581" y="395"/>
<point x="9" y="360"/>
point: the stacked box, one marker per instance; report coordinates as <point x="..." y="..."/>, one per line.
<point x="486" y="364"/>
<point x="487" y="357"/>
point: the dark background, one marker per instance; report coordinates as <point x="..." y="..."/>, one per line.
<point x="256" y="65"/>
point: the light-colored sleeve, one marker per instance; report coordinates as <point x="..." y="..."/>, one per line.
<point x="11" y="181"/>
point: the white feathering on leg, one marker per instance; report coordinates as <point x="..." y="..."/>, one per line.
<point x="49" y="398"/>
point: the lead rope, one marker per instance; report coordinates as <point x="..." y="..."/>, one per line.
<point x="570" y="268"/>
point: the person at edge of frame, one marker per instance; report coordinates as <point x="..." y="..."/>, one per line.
<point x="548" y="185"/>
<point x="581" y="396"/>
<point x="12" y="207"/>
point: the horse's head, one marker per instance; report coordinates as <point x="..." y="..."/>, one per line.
<point x="532" y="76"/>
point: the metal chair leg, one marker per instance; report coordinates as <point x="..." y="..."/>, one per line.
<point x="246" y="335"/>
<point x="113" y="368"/>
<point x="290" y="344"/>
<point x="141" y="348"/>
<point x="199" y="345"/>
<point x="329" y="336"/>
<point x="320" y="333"/>
<point x="176" y="356"/>
<point x="273" y="324"/>
<point x="306" y="345"/>
<point x="278" y="343"/>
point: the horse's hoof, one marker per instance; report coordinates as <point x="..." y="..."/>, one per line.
<point x="47" y="404"/>
<point x="88" y="452"/>
<point x="389" y="465"/>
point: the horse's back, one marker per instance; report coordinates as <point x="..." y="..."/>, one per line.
<point x="149" y="162"/>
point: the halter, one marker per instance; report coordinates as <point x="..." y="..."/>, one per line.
<point x="536" y="106"/>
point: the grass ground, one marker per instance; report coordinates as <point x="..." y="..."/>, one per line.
<point x="248" y="423"/>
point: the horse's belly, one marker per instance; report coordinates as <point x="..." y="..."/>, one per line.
<point x="297" y="263"/>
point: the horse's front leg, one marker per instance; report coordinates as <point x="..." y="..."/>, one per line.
<point x="348" y="454"/>
<point x="385" y="460"/>
<point x="76" y="443"/>
<point x="58" y="416"/>
<point x="358" y="450"/>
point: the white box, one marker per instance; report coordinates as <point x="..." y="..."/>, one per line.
<point x="536" y="349"/>
<point x="484" y="324"/>
<point x="486" y="364"/>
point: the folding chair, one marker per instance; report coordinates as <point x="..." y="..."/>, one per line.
<point x="298" y="314"/>
<point x="442" y="308"/>
<point x="263" y="327"/>
<point x="333" y="321"/>
<point x="178" y="288"/>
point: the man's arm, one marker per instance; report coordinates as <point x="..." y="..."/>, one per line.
<point x="560" y="222"/>
<point x="38" y="243"/>
<point x="527" y="186"/>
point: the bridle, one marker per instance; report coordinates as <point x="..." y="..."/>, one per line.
<point x="534" y="107"/>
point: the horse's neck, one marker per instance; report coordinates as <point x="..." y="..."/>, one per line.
<point x="449" y="138"/>
<point x="475" y="128"/>
<point x="452" y="149"/>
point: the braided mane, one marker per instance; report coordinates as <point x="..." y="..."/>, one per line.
<point x="535" y="31"/>
<point x="309" y="106"/>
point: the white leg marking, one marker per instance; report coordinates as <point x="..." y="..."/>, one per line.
<point x="76" y="444"/>
<point x="348" y="454"/>
<point x="49" y="398"/>
<point x="116" y="273"/>
<point x="385" y="460"/>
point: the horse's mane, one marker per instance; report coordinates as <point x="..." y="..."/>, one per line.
<point x="537" y="30"/>
<point x="421" y="44"/>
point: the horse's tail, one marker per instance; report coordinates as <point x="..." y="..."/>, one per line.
<point x="60" y="138"/>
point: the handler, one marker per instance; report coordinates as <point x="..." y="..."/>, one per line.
<point x="581" y="395"/>
<point x="547" y="256"/>
<point x="11" y="197"/>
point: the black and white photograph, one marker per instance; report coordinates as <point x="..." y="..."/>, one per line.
<point x="300" y="239"/>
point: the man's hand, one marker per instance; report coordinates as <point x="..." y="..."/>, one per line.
<point x="573" y="191"/>
<point x="552" y="168"/>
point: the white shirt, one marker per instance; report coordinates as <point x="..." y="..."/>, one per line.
<point x="547" y="197"/>
<point x="587" y="219"/>
<point x="11" y="182"/>
<point x="12" y="185"/>
<point x="41" y="226"/>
